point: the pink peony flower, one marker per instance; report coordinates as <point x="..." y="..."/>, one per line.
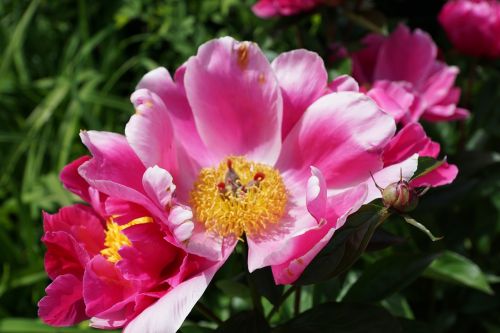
<point x="473" y="26"/>
<point x="231" y="147"/>
<point x="405" y="78"/>
<point x="270" y="8"/>
<point x="110" y="261"/>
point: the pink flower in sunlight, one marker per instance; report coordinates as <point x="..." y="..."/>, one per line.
<point x="473" y="26"/>
<point x="402" y="74"/>
<point x="270" y="8"/>
<point x="104" y="260"/>
<point x="231" y="148"/>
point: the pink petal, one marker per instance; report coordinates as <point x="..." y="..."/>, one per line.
<point x="235" y="100"/>
<point x="365" y="60"/>
<point x="158" y="185"/>
<point x="115" y="169"/>
<point x="445" y="113"/>
<point x="302" y="78"/>
<point x="344" y="83"/>
<point x="104" y="286"/>
<point x="306" y="246"/>
<point x="439" y="83"/>
<point x="72" y="181"/>
<point x="406" y="56"/>
<point x="64" y="254"/>
<point x="63" y="305"/>
<point x="393" y="97"/>
<point x="175" y="100"/>
<point x="389" y="175"/>
<point x="409" y="140"/>
<point x="316" y="194"/>
<point x="443" y="175"/>
<point x="169" y="312"/>
<point x="343" y="135"/>
<point x="150" y="257"/>
<point x="149" y="131"/>
<point x="265" y="9"/>
<point x="79" y="221"/>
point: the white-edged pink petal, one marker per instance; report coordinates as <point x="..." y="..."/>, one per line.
<point x="169" y="312"/>
<point x="235" y="100"/>
<point x="158" y="185"/>
<point x="302" y="78"/>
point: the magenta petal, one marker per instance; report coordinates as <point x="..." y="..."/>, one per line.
<point x="226" y="83"/>
<point x="63" y="305"/>
<point x="72" y="181"/>
<point x="343" y="135"/>
<point x="410" y="140"/>
<point x="168" y="313"/>
<point x="104" y="286"/>
<point x="393" y="97"/>
<point x="64" y="254"/>
<point x="443" y="175"/>
<point x="439" y="83"/>
<point x="365" y="60"/>
<point x="302" y="78"/>
<point x="150" y="257"/>
<point x="406" y="57"/>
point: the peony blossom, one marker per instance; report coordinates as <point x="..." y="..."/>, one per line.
<point x="270" y="8"/>
<point x="103" y="259"/>
<point x="473" y="26"/>
<point x="232" y="148"/>
<point x="402" y="74"/>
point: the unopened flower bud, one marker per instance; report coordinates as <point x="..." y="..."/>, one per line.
<point x="400" y="196"/>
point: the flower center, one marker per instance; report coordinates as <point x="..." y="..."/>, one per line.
<point x="116" y="239"/>
<point x="238" y="197"/>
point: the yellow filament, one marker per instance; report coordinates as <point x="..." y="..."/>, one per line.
<point x="241" y="211"/>
<point x="115" y="239"/>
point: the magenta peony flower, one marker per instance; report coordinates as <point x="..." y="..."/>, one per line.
<point x="405" y="78"/>
<point x="104" y="260"/>
<point x="232" y="148"/>
<point x="473" y="26"/>
<point x="270" y="8"/>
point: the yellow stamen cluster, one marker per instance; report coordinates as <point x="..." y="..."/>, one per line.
<point x="238" y="197"/>
<point x="116" y="239"/>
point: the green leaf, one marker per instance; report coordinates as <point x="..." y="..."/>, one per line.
<point x="346" y="245"/>
<point x="426" y="165"/>
<point x="244" y="322"/>
<point x="454" y="268"/>
<point x="22" y="325"/>
<point x="387" y="276"/>
<point x="413" y="326"/>
<point x="233" y="289"/>
<point x="342" y="318"/>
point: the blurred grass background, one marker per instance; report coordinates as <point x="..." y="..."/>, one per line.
<point x="70" y="65"/>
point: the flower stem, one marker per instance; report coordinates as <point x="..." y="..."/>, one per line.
<point x="296" y="305"/>
<point x="205" y="311"/>
<point x="278" y="305"/>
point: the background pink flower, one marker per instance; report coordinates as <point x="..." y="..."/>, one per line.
<point x="269" y="8"/>
<point x="473" y="26"/>
<point x="402" y="74"/>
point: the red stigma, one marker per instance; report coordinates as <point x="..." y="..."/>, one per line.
<point x="221" y="186"/>
<point x="259" y="176"/>
<point x="229" y="164"/>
